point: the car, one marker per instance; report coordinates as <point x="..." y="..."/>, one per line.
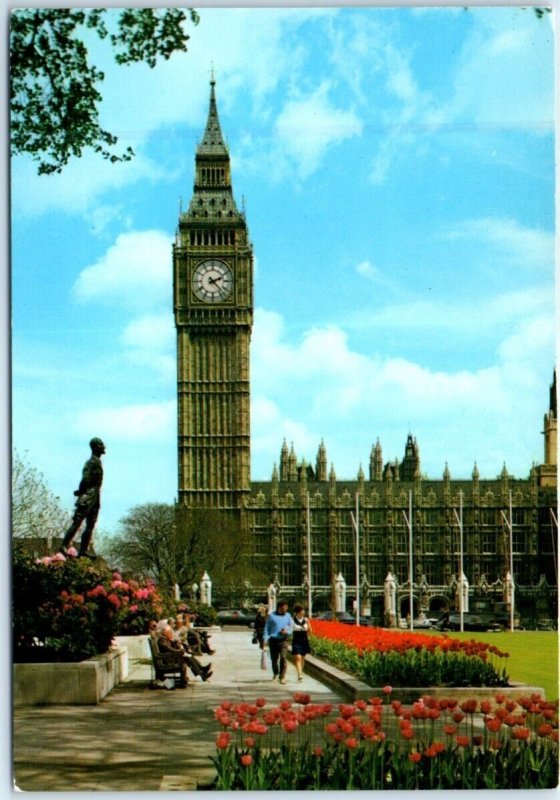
<point x="235" y="616"/>
<point x="471" y="622"/>
<point x="343" y="616"/>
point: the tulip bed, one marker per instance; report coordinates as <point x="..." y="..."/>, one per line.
<point x="378" y="656"/>
<point x="379" y="744"/>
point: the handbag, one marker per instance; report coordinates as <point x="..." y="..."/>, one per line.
<point x="264" y="659"/>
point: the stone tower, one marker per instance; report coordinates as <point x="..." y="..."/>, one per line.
<point x="213" y="303"/>
<point x="547" y="472"/>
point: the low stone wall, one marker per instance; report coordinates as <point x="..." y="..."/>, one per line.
<point x="353" y="689"/>
<point x="80" y="683"/>
<point x="137" y="646"/>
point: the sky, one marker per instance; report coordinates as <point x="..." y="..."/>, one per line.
<point x="397" y="170"/>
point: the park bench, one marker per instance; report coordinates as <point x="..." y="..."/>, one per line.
<point x="166" y="665"/>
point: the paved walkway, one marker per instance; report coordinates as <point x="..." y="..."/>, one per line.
<point x="138" y="739"/>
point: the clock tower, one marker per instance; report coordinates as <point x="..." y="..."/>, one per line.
<point x="213" y="303"/>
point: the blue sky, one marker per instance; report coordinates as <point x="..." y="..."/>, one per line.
<point x="398" y="169"/>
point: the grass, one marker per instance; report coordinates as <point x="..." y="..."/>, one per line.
<point x="533" y="656"/>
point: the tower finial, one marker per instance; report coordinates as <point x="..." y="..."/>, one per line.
<point x="212" y="74"/>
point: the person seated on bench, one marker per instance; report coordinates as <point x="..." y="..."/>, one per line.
<point x="197" y="640"/>
<point x="167" y="643"/>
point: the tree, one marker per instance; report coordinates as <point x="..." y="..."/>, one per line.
<point x="36" y="512"/>
<point x="145" y="546"/>
<point x="54" y="94"/>
<point x="175" y="546"/>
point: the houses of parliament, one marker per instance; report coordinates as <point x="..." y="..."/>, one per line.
<point x="301" y="525"/>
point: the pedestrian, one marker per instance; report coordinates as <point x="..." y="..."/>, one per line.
<point x="277" y="632"/>
<point x="300" y="639"/>
<point x="260" y="622"/>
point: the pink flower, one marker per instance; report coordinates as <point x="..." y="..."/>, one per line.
<point x="98" y="591"/>
<point x="58" y="557"/>
<point x="387" y="690"/>
<point x="133" y="608"/>
<point x="114" y="600"/>
<point x="72" y="552"/>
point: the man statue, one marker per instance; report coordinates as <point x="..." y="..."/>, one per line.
<point x="87" y="504"/>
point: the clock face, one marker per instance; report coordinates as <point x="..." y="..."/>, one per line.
<point x="212" y="281"/>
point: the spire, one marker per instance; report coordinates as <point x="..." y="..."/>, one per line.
<point x="212" y="143"/>
<point x="321" y="462"/>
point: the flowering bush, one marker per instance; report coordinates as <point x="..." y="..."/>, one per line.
<point x="68" y="609"/>
<point x="205" y="616"/>
<point x="378" y="656"/>
<point x="379" y="744"/>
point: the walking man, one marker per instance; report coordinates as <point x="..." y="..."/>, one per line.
<point x="88" y="502"/>
<point x="277" y="632"/>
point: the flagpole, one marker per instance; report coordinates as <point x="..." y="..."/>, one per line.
<point x="459" y="518"/>
<point x="356" y="526"/>
<point x="411" y="579"/>
<point x="308" y="520"/>
<point x="512" y="590"/>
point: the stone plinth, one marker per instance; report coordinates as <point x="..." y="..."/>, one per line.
<point x="80" y="683"/>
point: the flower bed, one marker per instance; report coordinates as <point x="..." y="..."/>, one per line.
<point x="378" y="656"/>
<point x="379" y="744"/>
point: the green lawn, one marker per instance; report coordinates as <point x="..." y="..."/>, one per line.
<point x="533" y="656"/>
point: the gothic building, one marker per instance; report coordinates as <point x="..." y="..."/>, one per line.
<point x="305" y="516"/>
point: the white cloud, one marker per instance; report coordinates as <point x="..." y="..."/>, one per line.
<point x="138" y="423"/>
<point x="477" y="318"/>
<point x="519" y="246"/>
<point x="493" y="86"/>
<point x="491" y="414"/>
<point x="134" y="272"/>
<point x="154" y="332"/>
<point x="307" y="127"/>
<point x="78" y="187"/>
<point x="149" y="342"/>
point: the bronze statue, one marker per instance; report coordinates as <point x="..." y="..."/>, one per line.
<point x="88" y="502"/>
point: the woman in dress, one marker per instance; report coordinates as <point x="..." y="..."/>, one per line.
<point x="300" y="639"/>
<point x="260" y="622"/>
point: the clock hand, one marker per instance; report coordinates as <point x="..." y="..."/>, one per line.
<point x="215" y="280"/>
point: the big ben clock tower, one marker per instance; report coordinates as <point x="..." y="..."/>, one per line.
<point x="213" y="302"/>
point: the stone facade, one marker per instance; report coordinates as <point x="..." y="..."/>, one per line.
<point x="505" y="521"/>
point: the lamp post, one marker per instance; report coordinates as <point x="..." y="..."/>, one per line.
<point x="510" y="586"/>
<point x="356" y="526"/>
<point x="408" y="520"/>
<point x="459" y="518"/>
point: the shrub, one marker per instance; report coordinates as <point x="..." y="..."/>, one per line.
<point x="205" y="616"/>
<point x="69" y="609"/>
